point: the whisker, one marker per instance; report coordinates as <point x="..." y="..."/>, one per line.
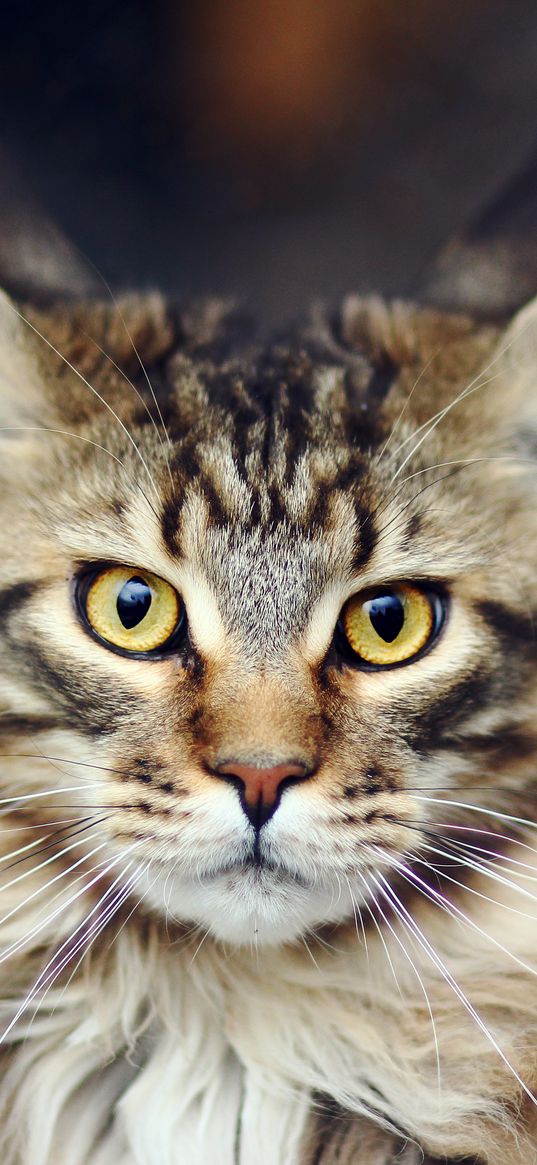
<point x="430" y="828"/>
<point x="21" y="943"/>
<point x="199" y="946"/>
<point x="380" y="934"/>
<point x="118" y="902"/>
<point x="468" y="461"/>
<point x="37" y="825"/>
<point x="95" y="392"/>
<point x="145" y="870"/>
<point x="418" y="977"/>
<point x="454" y="911"/>
<point x="433" y="422"/>
<point x="358" y="915"/>
<point x="393" y="899"/>
<point x="471" y="889"/>
<point x="473" y="386"/>
<point x="142" y="366"/>
<point x="65" y="760"/>
<point x="414" y="498"/>
<point x="398" y="419"/>
<point x="136" y="391"/>
<point x="96" y="927"/>
<point x="502" y="837"/>
<point x="50" y="793"/>
<point x="491" y="869"/>
<point x="35" y="852"/>
<point x="34" y="869"/>
<point x="62" y="433"/>
<point x="42" y="978"/>
<point x="478" y="809"/>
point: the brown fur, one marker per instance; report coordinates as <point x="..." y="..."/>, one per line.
<point x="279" y="487"/>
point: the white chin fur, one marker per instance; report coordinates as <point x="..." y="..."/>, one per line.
<point x="247" y="907"/>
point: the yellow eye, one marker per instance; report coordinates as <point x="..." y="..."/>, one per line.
<point x="131" y="609"/>
<point x="391" y="625"/>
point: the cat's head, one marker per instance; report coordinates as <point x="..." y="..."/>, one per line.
<point x="269" y="615"/>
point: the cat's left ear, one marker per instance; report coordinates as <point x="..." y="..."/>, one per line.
<point x="516" y="364"/>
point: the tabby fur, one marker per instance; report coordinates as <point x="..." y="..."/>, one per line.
<point x="163" y="999"/>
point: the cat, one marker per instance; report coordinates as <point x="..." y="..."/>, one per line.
<point x="268" y="688"/>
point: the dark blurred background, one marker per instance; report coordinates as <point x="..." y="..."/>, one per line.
<point x="281" y="151"/>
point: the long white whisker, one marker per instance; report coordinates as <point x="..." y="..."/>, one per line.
<point x="141" y="363"/>
<point x="128" y="381"/>
<point x="420" y="981"/>
<point x="47" y="861"/>
<point x="398" y="419"/>
<point x="92" y="389"/>
<point x="380" y="934"/>
<point x="65" y="760"/>
<point x="43" y="977"/>
<point x="92" y="931"/>
<point x="433" y="423"/>
<point x="433" y="826"/>
<point x="20" y="943"/>
<point x="358" y="915"/>
<point x="145" y="870"/>
<point x="473" y="386"/>
<point x="61" y="433"/>
<point x="51" y="793"/>
<point x="394" y="900"/>
<point x="118" y="901"/>
<point x="454" y="911"/>
<point x="477" y="809"/>
<point x="467" y="461"/>
<point x="483" y="870"/>
<point x="489" y="871"/>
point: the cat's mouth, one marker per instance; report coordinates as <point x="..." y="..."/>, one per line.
<point x="245" y="898"/>
<point x="261" y="868"/>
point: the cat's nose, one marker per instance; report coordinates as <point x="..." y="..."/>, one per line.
<point x="261" y="788"/>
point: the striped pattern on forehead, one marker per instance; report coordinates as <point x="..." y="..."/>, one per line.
<point x="266" y="441"/>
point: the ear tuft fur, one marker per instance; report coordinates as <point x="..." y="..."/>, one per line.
<point x="21" y="396"/>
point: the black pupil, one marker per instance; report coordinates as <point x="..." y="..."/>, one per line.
<point x="133" y="602"/>
<point x="387" y="615"/>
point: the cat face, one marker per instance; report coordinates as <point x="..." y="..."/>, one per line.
<point x="271" y="616"/>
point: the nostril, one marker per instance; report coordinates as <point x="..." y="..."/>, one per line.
<point x="261" y="787"/>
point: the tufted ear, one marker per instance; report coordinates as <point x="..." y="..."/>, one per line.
<point x="490" y="269"/>
<point x="22" y="399"/>
<point x="37" y="265"/>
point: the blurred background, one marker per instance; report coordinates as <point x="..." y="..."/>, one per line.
<point x="280" y="151"/>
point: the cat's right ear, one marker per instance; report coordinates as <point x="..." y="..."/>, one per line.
<point x="516" y="361"/>
<point x="38" y="266"/>
<point x="37" y="263"/>
<point x="23" y="401"/>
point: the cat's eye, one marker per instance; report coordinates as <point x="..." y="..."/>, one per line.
<point x="391" y="625"/>
<point x="130" y="609"/>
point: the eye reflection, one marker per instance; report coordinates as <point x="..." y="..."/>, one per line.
<point x="391" y="625"/>
<point x="133" y="610"/>
<point x="134" y="601"/>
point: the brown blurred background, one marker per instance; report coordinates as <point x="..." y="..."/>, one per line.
<point x="281" y="151"/>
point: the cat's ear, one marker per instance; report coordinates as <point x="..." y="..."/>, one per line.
<point x="22" y="398"/>
<point x="490" y="269"/>
<point x="37" y="266"/>
<point x="37" y="262"/>
<point x="516" y="364"/>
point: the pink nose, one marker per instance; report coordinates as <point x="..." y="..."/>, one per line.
<point x="261" y="787"/>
